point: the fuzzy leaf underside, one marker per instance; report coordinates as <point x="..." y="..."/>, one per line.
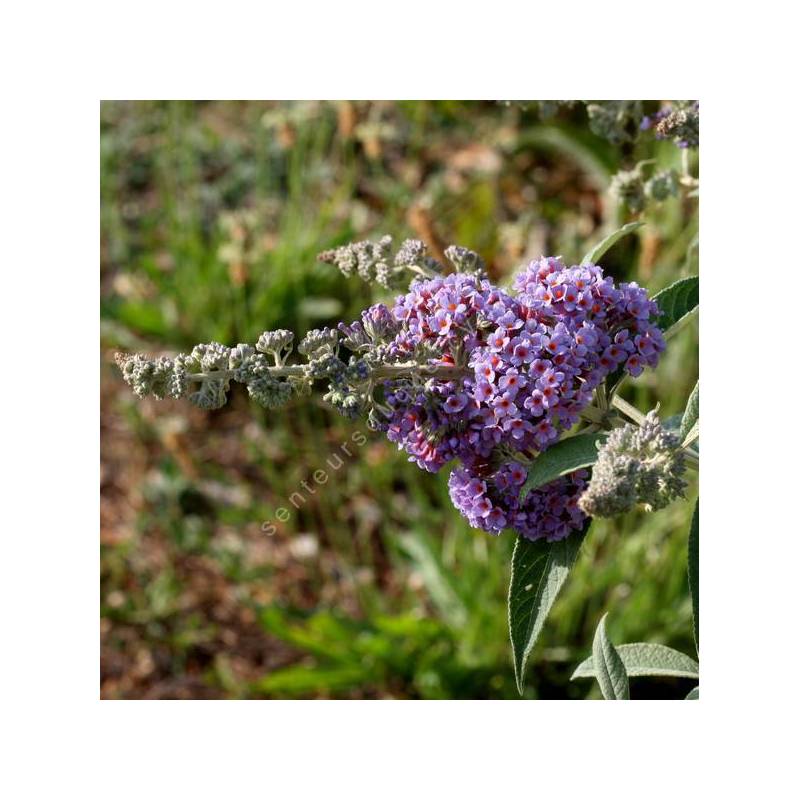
<point x="576" y="452"/>
<point x="692" y="413"/>
<point x="609" y="668"/>
<point x="600" y="249"/>
<point x="694" y="571"/>
<point x="538" y="571"/>
<point x="643" y="658"/>
<point x="677" y="302"/>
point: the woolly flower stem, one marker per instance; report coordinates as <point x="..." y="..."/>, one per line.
<point x="387" y="371"/>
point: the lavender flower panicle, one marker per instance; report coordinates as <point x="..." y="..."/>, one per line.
<point x="492" y="503"/>
<point x="455" y="369"/>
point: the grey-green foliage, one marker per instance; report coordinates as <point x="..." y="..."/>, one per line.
<point x="538" y="571"/>
<point x="636" y="465"/>
<point x="691" y="414"/>
<point x="677" y="302"/>
<point x="568" y="455"/>
<point x="643" y="658"/>
<point x="600" y="249"/>
<point x="609" y="669"/>
<point x="694" y="571"/>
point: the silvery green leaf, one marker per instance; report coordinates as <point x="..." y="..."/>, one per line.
<point x="575" y="452"/>
<point x="692" y="436"/>
<point x="694" y="694"/>
<point x="691" y="414"/>
<point x="609" y="668"/>
<point x="597" y="252"/>
<point x="436" y="580"/>
<point x="538" y="571"/>
<point x="673" y="423"/>
<point x="677" y="303"/>
<point x="643" y="658"/>
<point x="694" y="571"/>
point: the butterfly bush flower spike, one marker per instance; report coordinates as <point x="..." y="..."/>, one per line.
<point x="455" y="370"/>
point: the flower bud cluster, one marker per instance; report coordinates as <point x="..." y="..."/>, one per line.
<point x="209" y="369"/>
<point x="466" y="260"/>
<point x="208" y="359"/>
<point x="278" y="343"/>
<point x="376" y="328"/>
<point x="147" y="376"/>
<point x="662" y="185"/>
<point x="632" y="189"/>
<point x="319" y="342"/>
<point x="373" y="261"/>
<point x="346" y="391"/>
<point x="627" y="186"/>
<point x="636" y="465"/>
<point x="615" y="120"/>
<point x="680" y="122"/>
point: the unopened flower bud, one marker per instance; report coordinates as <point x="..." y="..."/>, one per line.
<point x="642" y="465"/>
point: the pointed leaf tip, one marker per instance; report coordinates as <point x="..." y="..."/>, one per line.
<point x="609" y="668"/>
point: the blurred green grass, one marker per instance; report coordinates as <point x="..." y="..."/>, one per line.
<point x="211" y="218"/>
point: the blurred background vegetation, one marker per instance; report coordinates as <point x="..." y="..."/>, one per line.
<point x="211" y="218"/>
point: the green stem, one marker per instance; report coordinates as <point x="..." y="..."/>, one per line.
<point x="628" y="410"/>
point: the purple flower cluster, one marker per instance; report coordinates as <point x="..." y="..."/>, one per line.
<point x="532" y="361"/>
<point x="492" y="503"/>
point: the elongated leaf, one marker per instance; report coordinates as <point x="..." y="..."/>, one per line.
<point x="694" y="571"/>
<point x="436" y="580"/>
<point x="694" y="694"/>
<point x="692" y="412"/>
<point x="594" y="255"/>
<point x="609" y="668"/>
<point x="677" y="302"/>
<point x="596" y="162"/>
<point x="646" y="659"/>
<point x="692" y="436"/>
<point x="576" y="452"/>
<point x="538" y="571"/>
